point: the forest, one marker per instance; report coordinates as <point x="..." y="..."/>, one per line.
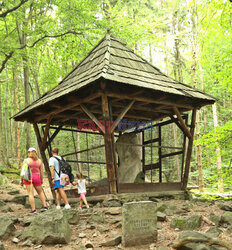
<point x="41" y="41"/>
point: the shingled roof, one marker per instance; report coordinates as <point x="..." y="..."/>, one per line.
<point x="112" y="61"/>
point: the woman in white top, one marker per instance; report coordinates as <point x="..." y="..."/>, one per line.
<point x="81" y="185"/>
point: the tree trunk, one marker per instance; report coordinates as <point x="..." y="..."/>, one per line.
<point x="2" y="144"/>
<point x="37" y="90"/>
<point x="23" y="41"/>
<point x="199" y="156"/>
<point x="178" y="76"/>
<point x="194" y="73"/>
<point x="218" y="153"/>
<point x="204" y="108"/>
<point x="18" y="125"/>
<point x="6" y="126"/>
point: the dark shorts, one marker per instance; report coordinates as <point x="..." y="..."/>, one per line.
<point x="57" y="185"/>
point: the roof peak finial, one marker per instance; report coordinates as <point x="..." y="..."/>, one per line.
<point x="108" y="31"/>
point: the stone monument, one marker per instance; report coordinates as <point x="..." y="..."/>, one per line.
<point x="130" y="164"/>
<point x="139" y="223"/>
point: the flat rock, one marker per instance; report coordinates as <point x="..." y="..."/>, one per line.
<point x="114" y="242"/>
<point x="161" y="216"/>
<point x="15" y="240"/>
<point x="81" y="235"/>
<point x="215" y="219"/>
<point x="20" y="199"/>
<point x="225" y="207"/>
<point x="96" y="217"/>
<point x="102" y="229"/>
<point x="227" y="218"/>
<point x="6" y="209"/>
<point x="214" y="232"/>
<point x="13" y="192"/>
<point x="192" y="222"/>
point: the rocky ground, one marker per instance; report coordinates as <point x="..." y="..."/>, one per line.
<point x="99" y="225"/>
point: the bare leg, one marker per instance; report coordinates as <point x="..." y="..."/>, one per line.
<point x="30" y="192"/>
<point x="41" y="195"/>
<point x="63" y="195"/>
<point x="85" y="201"/>
<point x="58" y="198"/>
<point x="81" y="203"/>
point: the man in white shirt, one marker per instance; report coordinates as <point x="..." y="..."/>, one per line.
<point x="55" y="171"/>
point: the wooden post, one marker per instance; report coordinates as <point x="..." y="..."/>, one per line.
<point x="109" y="148"/>
<point x="189" y="150"/>
<point x="160" y="154"/>
<point x="184" y="151"/>
<point x="143" y="153"/>
<point x="182" y="123"/>
<point x="44" y="158"/>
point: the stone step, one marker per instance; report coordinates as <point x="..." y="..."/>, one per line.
<point x="84" y="215"/>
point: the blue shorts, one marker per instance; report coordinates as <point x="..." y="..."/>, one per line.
<point x="57" y="185"/>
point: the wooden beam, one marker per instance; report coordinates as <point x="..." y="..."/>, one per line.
<point x="84" y="150"/>
<point x="46" y="133"/>
<point x="189" y="151"/>
<point x="172" y="154"/>
<point x="109" y="148"/>
<point x="44" y="158"/>
<point x="184" y="151"/>
<point x="122" y="114"/>
<point x="146" y="99"/>
<point x="150" y="141"/>
<point x="93" y="118"/>
<point x="146" y="109"/>
<point x="151" y="166"/>
<point x="182" y="123"/>
<point x="68" y="106"/>
<point x="160" y="153"/>
<point x="177" y="123"/>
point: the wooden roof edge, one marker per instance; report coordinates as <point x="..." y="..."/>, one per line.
<point x="175" y="81"/>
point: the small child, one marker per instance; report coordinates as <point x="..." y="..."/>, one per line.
<point x="81" y="185"/>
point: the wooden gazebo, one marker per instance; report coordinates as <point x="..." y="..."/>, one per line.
<point x="110" y="84"/>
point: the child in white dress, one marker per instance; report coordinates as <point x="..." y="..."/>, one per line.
<point x="81" y="185"/>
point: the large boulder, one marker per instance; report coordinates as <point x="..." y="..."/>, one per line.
<point x="192" y="240"/>
<point x="3" y="180"/>
<point x="38" y="203"/>
<point x="6" y="227"/>
<point x="49" y="228"/>
<point x="72" y="216"/>
<point x="215" y="219"/>
<point x="192" y="222"/>
<point x="20" y="199"/>
<point x="96" y="218"/>
<point x="111" y="201"/>
<point x="194" y="235"/>
<point x="227" y="218"/>
<point x="130" y="164"/>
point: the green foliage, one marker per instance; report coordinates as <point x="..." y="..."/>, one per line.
<point x="218" y="137"/>
<point x="59" y="34"/>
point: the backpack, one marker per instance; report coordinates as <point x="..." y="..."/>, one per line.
<point x="26" y="171"/>
<point x="64" y="171"/>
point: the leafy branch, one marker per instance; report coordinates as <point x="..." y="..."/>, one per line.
<point x="4" y="14"/>
<point x="51" y="36"/>
<point x="7" y="57"/>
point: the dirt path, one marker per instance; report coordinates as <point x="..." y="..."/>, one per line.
<point x="166" y="235"/>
